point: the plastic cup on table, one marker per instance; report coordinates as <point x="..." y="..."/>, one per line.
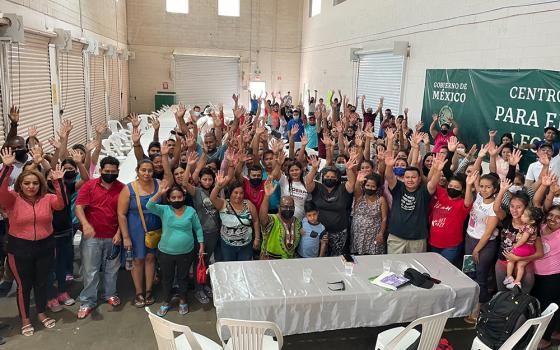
<point x="307" y="275"/>
<point x="348" y="269"/>
<point x="386" y="265"/>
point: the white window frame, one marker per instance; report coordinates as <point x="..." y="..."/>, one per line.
<point x="314" y="7"/>
<point x="229" y="8"/>
<point x="338" y="2"/>
<point x="177" y="6"/>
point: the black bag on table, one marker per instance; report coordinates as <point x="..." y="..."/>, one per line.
<point x="503" y="315"/>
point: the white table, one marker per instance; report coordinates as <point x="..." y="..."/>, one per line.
<point x="274" y="290"/>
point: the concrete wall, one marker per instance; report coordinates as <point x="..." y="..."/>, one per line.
<point x="267" y="34"/>
<point x="104" y="20"/>
<point x="441" y="33"/>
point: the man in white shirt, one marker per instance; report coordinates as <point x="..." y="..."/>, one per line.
<point x="544" y="155"/>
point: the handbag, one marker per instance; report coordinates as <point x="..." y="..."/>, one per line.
<point x="151" y="238"/>
<point x="201" y="271"/>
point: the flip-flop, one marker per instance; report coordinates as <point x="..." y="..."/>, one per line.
<point x="183" y="309"/>
<point x="48" y="322"/>
<point x="149" y="298"/>
<point x="163" y="310"/>
<point x="27" y="330"/>
<point x="84" y="312"/>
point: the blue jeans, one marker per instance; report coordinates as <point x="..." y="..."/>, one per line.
<point x="450" y="254"/>
<point x="63" y="253"/>
<point x="231" y="253"/>
<point x="94" y="256"/>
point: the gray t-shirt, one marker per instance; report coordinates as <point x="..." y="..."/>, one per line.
<point x="207" y="213"/>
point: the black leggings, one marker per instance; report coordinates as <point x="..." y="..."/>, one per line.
<point x="30" y="262"/>
<point x="168" y="263"/>
<point x="487" y="259"/>
<point x="547" y="290"/>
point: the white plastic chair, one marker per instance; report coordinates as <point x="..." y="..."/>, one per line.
<point x="111" y="150"/>
<point x="401" y="338"/>
<point x="117" y="141"/>
<point x="541" y="323"/>
<point x="116" y="128"/>
<point x="165" y="330"/>
<point x="249" y="335"/>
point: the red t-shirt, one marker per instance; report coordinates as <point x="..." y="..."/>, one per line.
<point x="252" y="194"/>
<point x="441" y="140"/>
<point x="101" y="206"/>
<point x="446" y="220"/>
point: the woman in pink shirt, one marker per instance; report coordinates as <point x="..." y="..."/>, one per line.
<point x="30" y="240"/>
<point x="547" y="273"/>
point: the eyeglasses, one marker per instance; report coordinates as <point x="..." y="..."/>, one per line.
<point x="342" y="287"/>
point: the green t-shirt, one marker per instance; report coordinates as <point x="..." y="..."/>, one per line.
<point x="177" y="231"/>
<point x="275" y="243"/>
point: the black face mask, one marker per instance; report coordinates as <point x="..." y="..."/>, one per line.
<point x="176" y="204"/>
<point x="453" y="193"/>
<point x="183" y="165"/>
<point x="255" y="182"/>
<point x="109" y="178"/>
<point x="444" y="131"/>
<point x="369" y="192"/>
<point x="287" y="214"/>
<point x="70" y="175"/>
<point x="20" y="155"/>
<point x="330" y="183"/>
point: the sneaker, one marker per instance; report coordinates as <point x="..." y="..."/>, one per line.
<point x="508" y="280"/>
<point x="65" y="299"/>
<point x="513" y="284"/>
<point x="208" y="291"/>
<point x="54" y="306"/>
<point x="201" y="297"/>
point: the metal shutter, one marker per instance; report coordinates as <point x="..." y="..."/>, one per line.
<point x="203" y="79"/>
<point x="114" y="92"/>
<point x="73" y="92"/>
<point x="97" y="90"/>
<point x="3" y="130"/>
<point x="125" y="91"/>
<point x="31" y="85"/>
<point x="381" y="74"/>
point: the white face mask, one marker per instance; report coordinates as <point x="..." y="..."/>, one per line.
<point x="556" y="201"/>
<point x="514" y="189"/>
<point x="197" y="114"/>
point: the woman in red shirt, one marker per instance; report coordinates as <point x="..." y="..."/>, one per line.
<point x="30" y="240"/>
<point x="450" y="207"/>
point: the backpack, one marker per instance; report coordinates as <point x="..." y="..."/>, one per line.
<point x="503" y="315"/>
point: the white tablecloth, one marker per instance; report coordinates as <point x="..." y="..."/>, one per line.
<point x="274" y="290"/>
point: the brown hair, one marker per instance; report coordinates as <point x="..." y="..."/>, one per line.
<point x="42" y="182"/>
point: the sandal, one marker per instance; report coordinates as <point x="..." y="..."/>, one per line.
<point x="149" y="298"/>
<point x="139" y="301"/>
<point x="163" y="310"/>
<point x="48" y="322"/>
<point x="27" y="330"/>
<point x="183" y="309"/>
<point x="84" y="312"/>
<point x="114" y="301"/>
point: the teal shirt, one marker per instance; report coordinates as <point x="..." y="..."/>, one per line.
<point x="177" y="232"/>
<point x="311" y="132"/>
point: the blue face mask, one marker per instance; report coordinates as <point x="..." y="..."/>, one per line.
<point x="399" y="171"/>
<point x="341" y="167"/>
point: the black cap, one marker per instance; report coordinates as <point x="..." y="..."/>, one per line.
<point x="418" y="279"/>
<point x="551" y="128"/>
<point x="546" y="145"/>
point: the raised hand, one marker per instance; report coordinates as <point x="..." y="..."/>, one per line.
<point x="221" y="179"/>
<point x="155" y="123"/>
<point x="483" y="151"/>
<point x="91" y="145"/>
<point x="14" y="114"/>
<point x="100" y="128"/>
<point x="8" y="157"/>
<point x="32" y="132"/>
<point x="163" y="187"/>
<point x="327" y="140"/>
<point x="515" y="157"/>
<point x="66" y="127"/>
<point x="235" y="97"/>
<point x="493" y="150"/>
<point x="419" y="126"/>
<point x="547" y="180"/>
<point x="472" y="151"/>
<point x="435" y="117"/>
<point x="135" y="120"/>
<point x="37" y="154"/>
<point x="192" y="158"/>
<point x="294" y="130"/>
<point x="54" y="143"/>
<point x="58" y="172"/>
<point x="76" y="156"/>
<point x="304" y="140"/>
<point x="472" y="177"/>
<point x="439" y="161"/>
<point x="390" y="132"/>
<point x="492" y="133"/>
<point x="136" y="135"/>
<point x="389" y="159"/>
<point x="452" y="144"/>
<point x="269" y="187"/>
<point x="190" y="141"/>
<point x="362" y="174"/>
<point x="314" y="161"/>
<point x="406" y="111"/>
<point x="352" y="162"/>
<point x="181" y="110"/>
<point x="505" y="184"/>
<point x="543" y="158"/>
<point x="164" y="148"/>
<point x="380" y="153"/>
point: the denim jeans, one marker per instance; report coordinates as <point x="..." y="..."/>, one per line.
<point x="63" y="253"/>
<point x="450" y="254"/>
<point x="231" y="253"/>
<point x="94" y="256"/>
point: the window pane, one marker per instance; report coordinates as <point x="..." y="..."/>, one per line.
<point x="336" y="2"/>
<point x="315" y="7"/>
<point x="177" y="6"/>
<point x="228" y="8"/>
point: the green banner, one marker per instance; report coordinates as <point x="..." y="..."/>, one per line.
<point x="522" y="102"/>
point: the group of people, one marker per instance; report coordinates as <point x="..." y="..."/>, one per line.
<point x="279" y="181"/>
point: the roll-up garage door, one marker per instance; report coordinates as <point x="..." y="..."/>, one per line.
<point x="97" y="90"/>
<point x="381" y="74"/>
<point x="72" y="92"/>
<point x="203" y="79"/>
<point x="3" y="129"/>
<point x="114" y="92"/>
<point x="31" y="85"/>
<point x="125" y="89"/>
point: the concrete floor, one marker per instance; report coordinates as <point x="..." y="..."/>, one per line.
<point x="127" y="327"/>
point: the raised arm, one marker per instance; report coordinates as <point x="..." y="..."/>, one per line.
<point x="7" y="197"/>
<point x="138" y="151"/>
<point x="472" y="178"/>
<point x="433" y="131"/>
<point x="218" y="202"/>
<point x="438" y="165"/>
<point x="155" y="125"/>
<point x="505" y="184"/>
<point x="310" y="177"/>
<point x="389" y="174"/>
<point x="167" y="172"/>
<point x="269" y="188"/>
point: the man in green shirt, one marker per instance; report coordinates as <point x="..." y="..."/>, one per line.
<point x="280" y="232"/>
